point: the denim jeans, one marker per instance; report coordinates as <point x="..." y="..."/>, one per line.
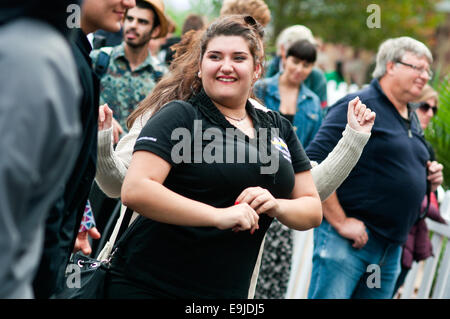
<point x="342" y="272"/>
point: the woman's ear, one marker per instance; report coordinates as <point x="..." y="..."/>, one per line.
<point x="257" y="74"/>
<point x="199" y="73"/>
<point x="199" y="67"/>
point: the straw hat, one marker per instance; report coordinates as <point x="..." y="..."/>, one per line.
<point x="158" y="5"/>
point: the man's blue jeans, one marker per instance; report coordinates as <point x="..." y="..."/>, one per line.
<point x="342" y="272"/>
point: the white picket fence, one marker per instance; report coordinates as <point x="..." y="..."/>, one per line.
<point x="427" y="279"/>
<point x="427" y="274"/>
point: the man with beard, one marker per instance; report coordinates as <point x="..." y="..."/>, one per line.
<point x="132" y="72"/>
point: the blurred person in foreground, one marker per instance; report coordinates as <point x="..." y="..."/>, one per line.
<point x="40" y="129"/>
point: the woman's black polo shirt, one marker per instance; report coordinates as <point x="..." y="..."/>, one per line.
<point x="205" y="262"/>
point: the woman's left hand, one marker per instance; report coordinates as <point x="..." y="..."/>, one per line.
<point x="435" y="174"/>
<point x="261" y="200"/>
<point x="359" y="116"/>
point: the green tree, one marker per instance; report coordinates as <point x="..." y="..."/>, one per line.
<point x="210" y="9"/>
<point x="345" y="21"/>
<point x="438" y="131"/>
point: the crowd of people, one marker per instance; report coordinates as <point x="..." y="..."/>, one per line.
<point x="217" y="155"/>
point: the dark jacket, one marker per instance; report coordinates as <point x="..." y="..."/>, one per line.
<point x="386" y="187"/>
<point x="40" y="129"/>
<point x="51" y="12"/>
<point x="65" y="217"/>
<point x="418" y="245"/>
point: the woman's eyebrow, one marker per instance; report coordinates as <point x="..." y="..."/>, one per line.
<point x="220" y="52"/>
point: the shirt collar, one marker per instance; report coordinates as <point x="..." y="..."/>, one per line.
<point x="207" y="107"/>
<point x="376" y="84"/>
<point x="119" y="53"/>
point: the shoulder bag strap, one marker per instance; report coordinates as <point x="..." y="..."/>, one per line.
<point x="102" y="62"/>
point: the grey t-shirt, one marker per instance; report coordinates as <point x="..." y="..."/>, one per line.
<point x="39" y="139"/>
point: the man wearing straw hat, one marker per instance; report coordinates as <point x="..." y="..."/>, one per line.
<point x="131" y="72"/>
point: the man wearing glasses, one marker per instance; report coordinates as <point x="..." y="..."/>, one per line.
<point x="358" y="246"/>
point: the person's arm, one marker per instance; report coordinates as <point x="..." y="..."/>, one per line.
<point x="335" y="168"/>
<point x="330" y="173"/>
<point x="362" y="119"/>
<point x="112" y="164"/>
<point x="348" y="227"/>
<point x="146" y="175"/>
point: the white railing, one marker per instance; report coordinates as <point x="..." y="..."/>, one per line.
<point x="430" y="278"/>
<point x="336" y="92"/>
<point x="427" y="279"/>
<point x="301" y="265"/>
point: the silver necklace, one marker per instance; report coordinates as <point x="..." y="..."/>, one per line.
<point x="237" y="120"/>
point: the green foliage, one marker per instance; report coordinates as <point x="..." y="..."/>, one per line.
<point x="178" y="17"/>
<point x="210" y="9"/>
<point x="438" y="131"/>
<point x="345" y="21"/>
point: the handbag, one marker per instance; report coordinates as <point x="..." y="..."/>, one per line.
<point x="85" y="276"/>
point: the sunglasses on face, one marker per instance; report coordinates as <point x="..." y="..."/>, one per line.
<point x="424" y="106"/>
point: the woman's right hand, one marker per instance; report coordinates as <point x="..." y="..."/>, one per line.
<point x="105" y="116"/>
<point x="106" y="121"/>
<point x="359" y="116"/>
<point x="238" y="217"/>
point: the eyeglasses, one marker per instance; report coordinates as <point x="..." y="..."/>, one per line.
<point x="419" y="70"/>
<point x="425" y="107"/>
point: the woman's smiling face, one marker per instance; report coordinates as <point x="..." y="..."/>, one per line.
<point x="227" y="70"/>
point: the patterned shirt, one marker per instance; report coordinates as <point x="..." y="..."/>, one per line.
<point x="123" y="89"/>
